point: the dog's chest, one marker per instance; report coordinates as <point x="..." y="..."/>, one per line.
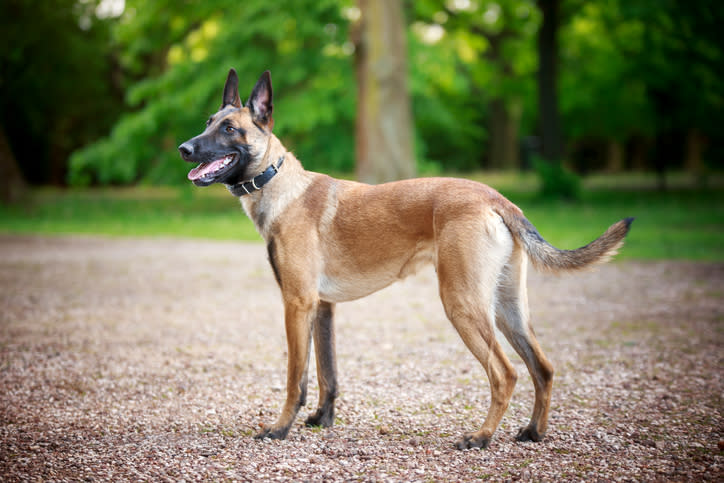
<point x="265" y="208"/>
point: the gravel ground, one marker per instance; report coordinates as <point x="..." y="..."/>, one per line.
<point x="159" y="359"/>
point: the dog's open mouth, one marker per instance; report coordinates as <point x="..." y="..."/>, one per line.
<point x="209" y="171"/>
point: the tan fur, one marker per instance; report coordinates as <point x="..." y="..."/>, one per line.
<point x="332" y="241"/>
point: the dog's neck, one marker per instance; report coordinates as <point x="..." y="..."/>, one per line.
<point x="257" y="182"/>
<point x="264" y="206"/>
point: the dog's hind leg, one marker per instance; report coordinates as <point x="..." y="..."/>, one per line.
<point x="513" y="321"/>
<point x="468" y="275"/>
<point x="324" y="349"/>
<point x="480" y="339"/>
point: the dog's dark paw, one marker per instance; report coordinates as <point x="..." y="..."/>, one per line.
<point x="270" y="433"/>
<point x="529" y="434"/>
<point x="470" y="441"/>
<point x="321" y="418"/>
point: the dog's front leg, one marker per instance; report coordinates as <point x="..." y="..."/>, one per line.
<point x="326" y="366"/>
<point x="298" y="315"/>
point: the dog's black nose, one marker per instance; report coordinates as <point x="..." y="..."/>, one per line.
<point x="186" y="150"/>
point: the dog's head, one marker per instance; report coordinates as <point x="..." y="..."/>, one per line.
<point x="236" y="138"/>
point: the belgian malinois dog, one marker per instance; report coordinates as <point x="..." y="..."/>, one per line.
<point x="330" y="241"/>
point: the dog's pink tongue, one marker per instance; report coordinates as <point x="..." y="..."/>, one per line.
<point x="204" y="168"/>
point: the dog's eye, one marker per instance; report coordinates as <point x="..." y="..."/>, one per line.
<point x="229" y="129"/>
<point x="208" y="122"/>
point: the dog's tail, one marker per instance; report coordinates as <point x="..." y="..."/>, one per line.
<point x="547" y="258"/>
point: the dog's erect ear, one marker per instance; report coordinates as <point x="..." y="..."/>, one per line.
<point x="260" y="101"/>
<point x="231" y="91"/>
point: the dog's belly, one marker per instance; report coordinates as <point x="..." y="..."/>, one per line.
<point x="354" y="284"/>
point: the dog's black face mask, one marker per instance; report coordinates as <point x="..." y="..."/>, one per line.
<point x="221" y="150"/>
<point x="233" y="137"/>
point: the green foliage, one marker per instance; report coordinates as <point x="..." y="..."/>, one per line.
<point x="55" y="93"/>
<point x="645" y="69"/>
<point x="556" y="180"/>
<point x="596" y="76"/>
<point x="679" y="56"/>
<point x="638" y="69"/>
<point x="303" y="46"/>
<point x="486" y="52"/>
<point x="448" y="130"/>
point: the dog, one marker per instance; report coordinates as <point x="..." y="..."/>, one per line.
<point x="331" y="241"/>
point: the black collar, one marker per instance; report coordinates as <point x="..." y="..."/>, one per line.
<point x="256" y="183"/>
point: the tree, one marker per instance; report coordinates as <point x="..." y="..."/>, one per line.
<point x="596" y="77"/>
<point x="639" y="80"/>
<point x="556" y="180"/>
<point x="56" y="85"/>
<point x="640" y="84"/>
<point x="681" y="60"/>
<point x="384" y="146"/>
<point x="304" y="46"/>
<point x="550" y="125"/>
<point x="494" y="43"/>
<point x="12" y="183"/>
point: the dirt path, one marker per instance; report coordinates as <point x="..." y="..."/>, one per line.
<point x="159" y="359"/>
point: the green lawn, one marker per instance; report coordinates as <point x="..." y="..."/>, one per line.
<point x="182" y="212"/>
<point x="683" y="223"/>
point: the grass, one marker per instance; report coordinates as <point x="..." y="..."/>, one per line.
<point x="686" y="225"/>
<point x="683" y="223"/>
<point x="134" y="212"/>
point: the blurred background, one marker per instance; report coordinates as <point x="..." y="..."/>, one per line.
<point x="556" y="97"/>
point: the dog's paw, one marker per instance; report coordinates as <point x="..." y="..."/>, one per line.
<point x="529" y="433"/>
<point x="271" y="433"/>
<point x="470" y="441"/>
<point x="321" y="418"/>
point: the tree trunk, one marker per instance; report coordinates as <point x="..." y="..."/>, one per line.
<point x="614" y="156"/>
<point x="550" y="129"/>
<point x="504" y="125"/>
<point x="384" y="120"/>
<point x="639" y="148"/>
<point x="12" y="184"/>
<point x="695" y="144"/>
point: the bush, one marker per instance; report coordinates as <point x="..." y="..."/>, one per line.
<point x="556" y="180"/>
